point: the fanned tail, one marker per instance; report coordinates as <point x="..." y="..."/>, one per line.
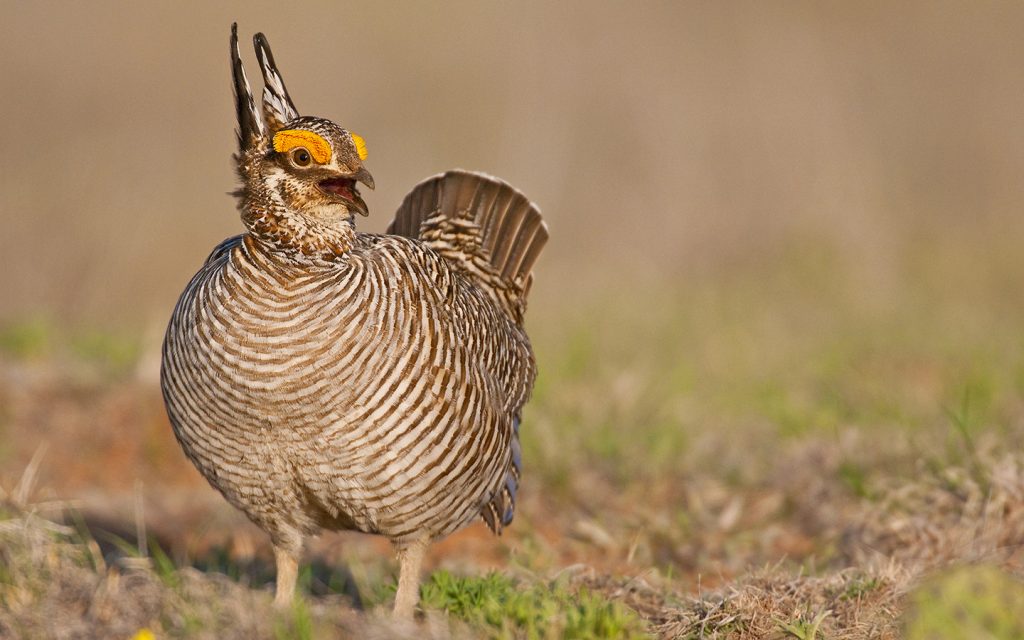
<point x="467" y="217"/>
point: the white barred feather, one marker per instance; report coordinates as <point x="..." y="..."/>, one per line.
<point x="322" y="378"/>
<point x="382" y="394"/>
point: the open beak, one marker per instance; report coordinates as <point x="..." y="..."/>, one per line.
<point x="344" y="188"/>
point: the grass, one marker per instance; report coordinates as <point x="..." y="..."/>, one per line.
<point x="876" y="581"/>
<point x="38" y="338"/>
<point x="298" y="625"/>
<point x="26" y="339"/>
<point x="804" y="629"/>
<point x="48" y="570"/>
<point x="500" y="608"/>
<point x="967" y="602"/>
<point x="759" y="359"/>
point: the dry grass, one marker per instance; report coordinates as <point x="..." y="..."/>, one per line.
<point x="58" y="582"/>
<point x="801" y="547"/>
<point x="912" y="535"/>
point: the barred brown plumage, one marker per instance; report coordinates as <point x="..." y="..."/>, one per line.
<point x="321" y="378"/>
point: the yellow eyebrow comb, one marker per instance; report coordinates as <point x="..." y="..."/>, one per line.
<point x="360" y="145"/>
<point x="287" y="139"/>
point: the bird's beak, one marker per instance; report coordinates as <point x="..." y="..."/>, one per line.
<point x="364" y="176"/>
<point x="343" y="187"/>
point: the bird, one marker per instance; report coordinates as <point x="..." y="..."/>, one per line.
<point x="326" y="379"/>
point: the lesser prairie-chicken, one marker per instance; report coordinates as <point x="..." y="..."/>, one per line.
<point x="323" y="378"/>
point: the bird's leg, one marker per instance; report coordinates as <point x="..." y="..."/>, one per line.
<point x="410" y="558"/>
<point x="287" y="572"/>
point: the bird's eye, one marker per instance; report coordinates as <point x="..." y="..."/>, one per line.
<point x="301" y="157"/>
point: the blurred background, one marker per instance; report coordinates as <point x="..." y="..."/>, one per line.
<point x="663" y="141"/>
<point x="785" y="270"/>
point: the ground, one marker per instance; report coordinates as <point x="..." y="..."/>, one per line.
<point x="784" y="453"/>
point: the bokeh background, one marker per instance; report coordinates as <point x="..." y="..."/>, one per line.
<point x="662" y="140"/>
<point x="778" y="323"/>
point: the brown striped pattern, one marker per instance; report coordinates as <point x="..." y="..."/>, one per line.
<point x="323" y="378"/>
<point x="379" y="392"/>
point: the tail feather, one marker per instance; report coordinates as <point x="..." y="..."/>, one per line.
<point x="506" y="238"/>
<point x="509" y="228"/>
<point x="526" y="248"/>
<point x="523" y="261"/>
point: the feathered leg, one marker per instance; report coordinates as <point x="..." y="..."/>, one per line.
<point x="287" y="573"/>
<point x="410" y="559"/>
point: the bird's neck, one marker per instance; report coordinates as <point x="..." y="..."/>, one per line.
<point x="290" y="235"/>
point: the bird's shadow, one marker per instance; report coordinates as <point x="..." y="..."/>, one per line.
<point x="118" y="541"/>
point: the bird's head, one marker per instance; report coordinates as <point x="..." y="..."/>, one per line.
<point x="299" y="173"/>
<point x="314" y="165"/>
